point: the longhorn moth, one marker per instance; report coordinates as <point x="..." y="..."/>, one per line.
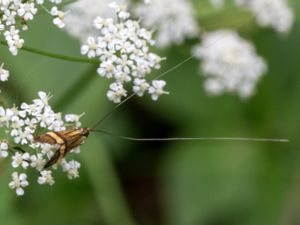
<point x="69" y="139"/>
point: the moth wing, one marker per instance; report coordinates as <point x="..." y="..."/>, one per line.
<point x="72" y="138"/>
<point x="53" y="160"/>
<point x="45" y="138"/>
<point x="59" y="154"/>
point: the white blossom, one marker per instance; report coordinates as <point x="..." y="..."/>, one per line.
<point x="27" y="10"/>
<point x="123" y="49"/>
<point x="20" y="160"/>
<point x="174" y="20"/>
<point x="116" y="92"/>
<point x="270" y="13"/>
<point x="4" y="74"/>
<point x="90" y="49"/>
<point x="46" y="177"/>
<point x="71" y="168"/>
<point x="59" y="17"/>
<point x="229" y="63"/>
<point x="73" y="118"/>
<point x="37" y="161"/>
<point x="19" y="182"/>
<point x="140" y="86"/>
<point x="3" y="149"/>
<point x="156" y="89"/>
<point x="121" y="10"/>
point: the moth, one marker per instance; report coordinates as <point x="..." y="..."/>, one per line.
<point x="71" y="138"/>
<point x="66" y="140"/>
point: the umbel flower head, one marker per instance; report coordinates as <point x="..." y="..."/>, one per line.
<point x="229" y="63"/>
<point x="174" y="20"/>
<point x="123" y="49"/>
<point x="14" y="15"/>
<point x="270" y="13"/>
<point x="21" y="125"/>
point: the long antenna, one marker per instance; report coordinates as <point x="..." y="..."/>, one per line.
<point x="170" y="70"/>
<point x="243" y="139"/>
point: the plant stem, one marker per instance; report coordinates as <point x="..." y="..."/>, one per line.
<point x="55" y="55"/>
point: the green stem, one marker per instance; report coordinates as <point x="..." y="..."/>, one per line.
<point x="55" y="55"/>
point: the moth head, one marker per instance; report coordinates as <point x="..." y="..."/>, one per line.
<point x="85" y="132"/>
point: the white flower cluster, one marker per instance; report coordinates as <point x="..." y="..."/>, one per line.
<point x="174" y="20"/>
<point x="81" y="15"/>
<point x="273" y="13"/>
<point x="21" y="125"/>
<point x="14" y="15"/>
<point x="4" y="74"/>
<point x="229" y="63"/>
<point x="123" y="50"/>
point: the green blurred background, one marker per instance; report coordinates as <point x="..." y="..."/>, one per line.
<point x="170" y="183"/>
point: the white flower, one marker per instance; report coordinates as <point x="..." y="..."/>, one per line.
<point x="32" y="109"/>
<point x="27" y="11"/>
<point x="44" y="98"/>
<point x="174" y="20"/>
<point x="73" y="118"/>
<point x="107" y="68"/>
<point x="121" y="10"/>
<point x="140" y="86"/>
<point x="46" y="177"/>
<point x="47" y="149"/>
<point x="21" y="160"/>
<point x="4" y="74"/>
<point x="23" y="137"/>
<point x="116" y="92"/>
<point x="18" y="182"/>
<point x="71" y="168"/>
<point x="270" y="13"/>
<point x="13" y="40"/>
<point x="58" y="17"/>
<point x="156" y="89"/>
<point x="229" y="63"/>
<point x="37" y="161"/>
<point x="3" y="149"/>
<point x="90" y="49"/>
